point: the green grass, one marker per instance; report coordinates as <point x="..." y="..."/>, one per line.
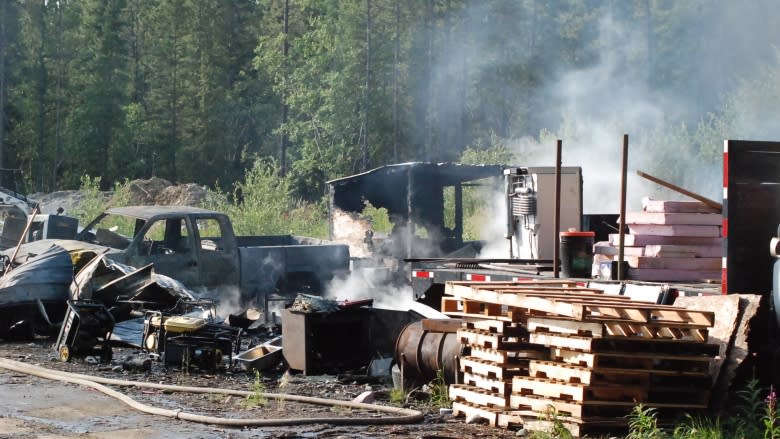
<point x="257" y="398"/>
<point x="440" y="397"/>
<point x="398" y="396"/>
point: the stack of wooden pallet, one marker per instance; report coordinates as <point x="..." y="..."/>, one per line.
<point x="586" y="356"/>
<point x="668" y="241"/>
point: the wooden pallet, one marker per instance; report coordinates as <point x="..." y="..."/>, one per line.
<point x="472" y="310"/>
<point x="505" y="328"/>
<point x="618" y="329"/>
<point x="633" y="360"/>
<point x="566" y="327"/>
<point x="548" y="422"/>
<point x="530" y="351"/>
<point x="585" y="306"/>
<point x="473" y="412"/>
<point x="657" y="331"/>
<point x="502" y="387"/>
<point x="582" y="410"/>
<point x="488" y="340"/>
<point x="491" y="369"/>
<point x="577" y="374"/>
<point x="478" y="396"/>
<point x="544" y="387"/>
<point x="613" y="344"/>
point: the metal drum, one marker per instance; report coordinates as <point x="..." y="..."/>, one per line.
<point x="421" y="353"/>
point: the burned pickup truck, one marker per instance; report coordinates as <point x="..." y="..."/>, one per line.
<point x="198" y="247"/>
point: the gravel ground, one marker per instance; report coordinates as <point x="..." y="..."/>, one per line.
<point x="33" y="407"/>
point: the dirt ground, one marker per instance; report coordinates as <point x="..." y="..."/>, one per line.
<point x="35" y="407"/>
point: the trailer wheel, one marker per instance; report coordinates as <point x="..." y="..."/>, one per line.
<point x="64" y="354"/>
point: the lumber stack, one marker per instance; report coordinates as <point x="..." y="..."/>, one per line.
<point x="675" y="241"/>
<point x="588" y="356"/>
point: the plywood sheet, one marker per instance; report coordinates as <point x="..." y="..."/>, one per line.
<point x="651" y="205"/>
<point x="641" y="240"/>
<point x="674" y="230"/>
<point x="685" y="263"/>
<point x="733" y="315"/>
<point x="706" y="219"/>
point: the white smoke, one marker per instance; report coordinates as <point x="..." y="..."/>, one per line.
<point x="372" y="283"/>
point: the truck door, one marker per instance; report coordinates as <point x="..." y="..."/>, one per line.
<point x="168" y="244"/>
<point x="218" y="253"/>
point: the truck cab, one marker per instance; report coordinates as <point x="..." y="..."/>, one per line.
<point x="193" y="245"/>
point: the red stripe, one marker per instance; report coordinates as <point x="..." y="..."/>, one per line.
<point x="424" y="274"/>
<point x="725" y="169"/>
<point x="725" y="228"/>
<point x="477" y="277"/>
<point x="521" y="279"/>
<point x="724" y="288"/>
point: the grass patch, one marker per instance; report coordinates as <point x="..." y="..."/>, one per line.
<point x="439" y="392"/>
<point x="257" y="398"/>
<point x="398" y="396"/>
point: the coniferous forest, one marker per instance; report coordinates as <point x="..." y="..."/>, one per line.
<point x="200" y="90"/>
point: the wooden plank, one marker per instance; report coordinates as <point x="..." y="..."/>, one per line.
<point x="605" y="248"/>
<point x="581" y="306"/>
<point x="664" y="218"/>
<point x="572" y="342"/>
<point x="699" y="251"/>
<point x="577" y="391"/>
<point x="626" y="345"/>
<point x="562" y="326"/>
<point x="642" y="240"/>
<point x="490" y="340"/>
<point x="674" y="263"/>
<point x="533" y="421"/>
<point x="469" y="307"/>
<point x="667" y="331"/>
<point x="473" y="411"/>
<point x="477" y="396"/>
<point x="501" y="387"/>
<point x="507" y="329"/>
<point x="510" y="316"/>
<point x="633" y="360"/>
<point x="591" y="409"/>
<point x="536" y="352"/>
<point x="700" y="381"/>
<point x="617" y="330"/>
<point x="673" y="206"/>
<point x="491" y="369"/>
<point x="441" y="325"/>
<point x="570" y="408"/>
<point x="674" y="230"/>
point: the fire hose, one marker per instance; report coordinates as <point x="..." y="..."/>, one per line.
<point x="400" y="415"/>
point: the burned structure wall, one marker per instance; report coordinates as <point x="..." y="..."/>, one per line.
<point x="413" y="194"/>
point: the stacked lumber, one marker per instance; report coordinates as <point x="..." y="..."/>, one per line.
<point x="674" y="241"/>
<point x="589" y="357"/>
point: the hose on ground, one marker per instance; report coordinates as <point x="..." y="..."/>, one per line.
<point x="399" y="415"/>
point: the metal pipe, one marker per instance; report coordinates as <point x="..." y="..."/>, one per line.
<point x="622" y="232"/>
<point x="557" y="231"/>
<point x="510" y="230"/>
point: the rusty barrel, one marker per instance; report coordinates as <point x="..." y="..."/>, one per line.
<point x="422" y="353"/>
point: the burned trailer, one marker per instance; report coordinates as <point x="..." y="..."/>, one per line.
<point x="424" y="222"/>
